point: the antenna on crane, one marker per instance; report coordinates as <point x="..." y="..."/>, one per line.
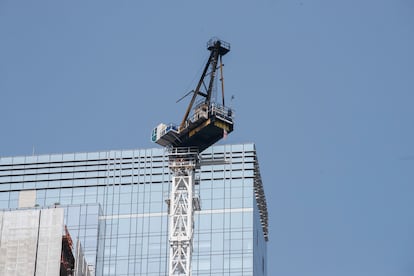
<point x="204" y="123"/>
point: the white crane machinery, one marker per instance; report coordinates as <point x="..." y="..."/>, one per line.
<point x="201" y="127"/>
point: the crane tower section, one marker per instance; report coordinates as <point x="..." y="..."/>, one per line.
<point x="182" y="203"/>
<point x="202" y="126"/>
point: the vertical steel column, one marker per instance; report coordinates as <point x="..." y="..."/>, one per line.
<point x="182" y="203"/>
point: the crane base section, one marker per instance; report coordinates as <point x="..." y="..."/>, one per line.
<point x="205" y="128"/>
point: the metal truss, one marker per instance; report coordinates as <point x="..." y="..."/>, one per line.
<point x="182" y="203"/>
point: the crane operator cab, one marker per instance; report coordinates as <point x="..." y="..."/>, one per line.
<point x="207" y="122"/>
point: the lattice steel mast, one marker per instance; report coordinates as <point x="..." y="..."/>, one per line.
<point x="198" y="130"/>
<point x="183" y="163"/>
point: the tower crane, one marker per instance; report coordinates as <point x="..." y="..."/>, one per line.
<point x="204" y="123"/>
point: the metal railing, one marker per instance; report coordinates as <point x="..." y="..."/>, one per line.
<point x="213" y="41"/>
<point x="215" y="109"/>
<point x="183" y="157"/>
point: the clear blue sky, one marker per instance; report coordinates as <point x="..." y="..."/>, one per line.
<point x="325" y="88"/>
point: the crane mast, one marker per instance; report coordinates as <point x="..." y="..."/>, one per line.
<point x="182" y="202"/>
<point x="204" y="123"/>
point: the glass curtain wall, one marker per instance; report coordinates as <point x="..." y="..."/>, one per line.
<point x="126" y="191"/>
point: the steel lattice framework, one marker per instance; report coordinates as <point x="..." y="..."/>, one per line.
<point x="182" y="203"/>
<point x="204" y="124"/>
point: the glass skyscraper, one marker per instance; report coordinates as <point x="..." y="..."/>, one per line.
<point x="115" y="203"/>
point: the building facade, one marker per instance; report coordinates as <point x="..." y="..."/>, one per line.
<point x="115" y="203"/>
<point x="36" y="242"/>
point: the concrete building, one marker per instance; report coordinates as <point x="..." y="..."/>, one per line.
<point x="35" y="242"/>
<point x="115" y="203"/>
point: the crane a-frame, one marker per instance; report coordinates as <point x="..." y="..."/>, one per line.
<point x="205" y="126"/>
<point x="204" y="123"/>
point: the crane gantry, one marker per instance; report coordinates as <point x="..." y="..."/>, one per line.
<point x="204" y="123"/>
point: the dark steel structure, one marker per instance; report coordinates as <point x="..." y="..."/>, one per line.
<point x="67" y="261"/>
<point x="206" y="123"/>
